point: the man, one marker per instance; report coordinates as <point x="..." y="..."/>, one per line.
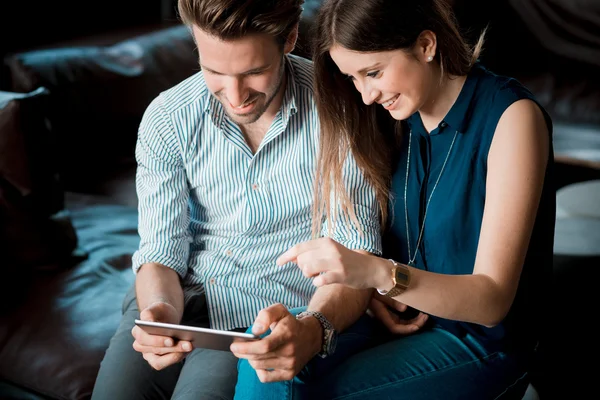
<point x="226" y="163"/>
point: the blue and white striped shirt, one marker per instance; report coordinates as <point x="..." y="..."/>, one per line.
<point x="220" y="215"/>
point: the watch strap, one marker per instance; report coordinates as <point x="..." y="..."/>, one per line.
<point x="328" y="329"/>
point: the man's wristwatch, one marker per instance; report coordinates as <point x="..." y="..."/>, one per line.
<point x="400" y="278"/>
<point x="329" y="333"/>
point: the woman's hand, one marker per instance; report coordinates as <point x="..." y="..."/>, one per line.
<point x="329" y="262"/>
<point x="384" y="309"/>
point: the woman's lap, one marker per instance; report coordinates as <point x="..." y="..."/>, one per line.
<point x="433" y="364"/>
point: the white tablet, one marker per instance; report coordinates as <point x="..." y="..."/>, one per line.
<point x="199" y="337"/>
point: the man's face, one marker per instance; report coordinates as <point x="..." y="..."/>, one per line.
<point x="245" y="74"/>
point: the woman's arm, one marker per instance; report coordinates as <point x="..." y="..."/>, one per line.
<point x="516" y="167"/>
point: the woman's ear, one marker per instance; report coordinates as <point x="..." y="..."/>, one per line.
<point x="290" y="42"/>
<point x="426" y="46"/>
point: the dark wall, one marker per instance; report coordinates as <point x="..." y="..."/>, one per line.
<point x="40" y="23"/>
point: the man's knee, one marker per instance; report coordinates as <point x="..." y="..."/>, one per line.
<point x="125" y="374"/>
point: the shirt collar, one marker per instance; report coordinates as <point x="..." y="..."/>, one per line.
<point x="459" y="115"/>
<point x="288" y="106"/>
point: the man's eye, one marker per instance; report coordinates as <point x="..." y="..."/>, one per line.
<point x="373" y="74"/>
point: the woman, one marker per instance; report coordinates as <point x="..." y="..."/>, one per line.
<point x="467" y="197"/>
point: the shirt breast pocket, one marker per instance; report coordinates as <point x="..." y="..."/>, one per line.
<point x="213" y="186"/>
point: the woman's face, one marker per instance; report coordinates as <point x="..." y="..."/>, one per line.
<point x="398" y="80"/>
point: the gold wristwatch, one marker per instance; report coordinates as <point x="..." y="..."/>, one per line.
<point x="400" y="278"/>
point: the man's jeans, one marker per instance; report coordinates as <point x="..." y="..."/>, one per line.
<point x="203" y="374"/>
<point x="433" y="364"/>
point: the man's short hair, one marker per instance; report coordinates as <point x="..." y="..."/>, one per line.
<point x="233" y="19"/>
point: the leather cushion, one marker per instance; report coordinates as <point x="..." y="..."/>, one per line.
<point x="99" y="93"/>
<point x="26" y="161"/>
<point x="53" y="343"/>
<point x="35" y="232"/>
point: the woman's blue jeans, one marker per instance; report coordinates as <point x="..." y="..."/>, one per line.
<point x="433" y="364"/>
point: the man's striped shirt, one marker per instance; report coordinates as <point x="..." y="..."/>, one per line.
<point x="220" y="215"/>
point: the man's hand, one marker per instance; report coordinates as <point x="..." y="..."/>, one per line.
<point x="291" y="345"/>
<point x="382" y="307"/>
<point x="159" y="351"/>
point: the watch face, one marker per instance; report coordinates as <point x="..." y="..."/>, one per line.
<point x="401" y="277"/>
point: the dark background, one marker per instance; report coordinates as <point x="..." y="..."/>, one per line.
<point x="35" y="24"/>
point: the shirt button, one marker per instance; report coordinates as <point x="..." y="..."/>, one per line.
<point x="229" y="252"/>
<point x="254" y="186"/>
<point x="212" y="281"/>
<point x="443" y="124"/>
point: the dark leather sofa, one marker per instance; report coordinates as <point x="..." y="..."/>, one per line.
<point x="69" y="117"/>
<point x="65" y="306"/>
<point x="68" y="217"/>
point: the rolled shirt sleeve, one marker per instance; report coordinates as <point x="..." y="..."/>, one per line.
<point x="367" y="236"/>
<point x="163" y="194"/>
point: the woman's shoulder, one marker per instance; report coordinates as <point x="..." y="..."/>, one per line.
<point x="500" y="88"/>
<point x="497" y="92"/>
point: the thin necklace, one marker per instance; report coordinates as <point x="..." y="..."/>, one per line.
<point x="411" y="260"/>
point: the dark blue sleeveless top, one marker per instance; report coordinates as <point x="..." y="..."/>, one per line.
<point x="454" y="216"/>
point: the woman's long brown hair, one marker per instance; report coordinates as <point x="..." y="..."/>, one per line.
<point x="348" y="126"/>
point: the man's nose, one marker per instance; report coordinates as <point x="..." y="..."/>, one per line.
<point x="237" y="94"/>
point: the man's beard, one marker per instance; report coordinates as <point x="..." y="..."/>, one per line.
<point x="255" y="115"/>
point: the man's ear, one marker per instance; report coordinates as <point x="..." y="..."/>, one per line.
<point x="290" y="42"/>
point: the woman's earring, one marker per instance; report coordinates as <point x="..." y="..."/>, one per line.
<point x="430" y="58"/>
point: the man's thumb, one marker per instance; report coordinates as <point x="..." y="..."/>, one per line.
<point x="148" y="315"/>
<point x="268" y="317"/>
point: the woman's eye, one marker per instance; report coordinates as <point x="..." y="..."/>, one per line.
<point x="373" y="74"/>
